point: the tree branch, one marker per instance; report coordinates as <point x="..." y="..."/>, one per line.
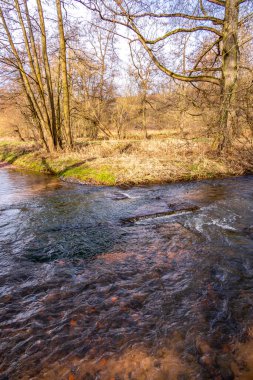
<point x="182" y="30"/>
<point x="218" y="2"/>
<point x="215" y="20"/>
<point x="199" y="78"/>
<point x="205" y="52"/>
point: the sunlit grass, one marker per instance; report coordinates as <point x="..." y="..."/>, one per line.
<point x="130" y="162"/>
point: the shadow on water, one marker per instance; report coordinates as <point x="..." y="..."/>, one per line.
<point x="167" y="295"/>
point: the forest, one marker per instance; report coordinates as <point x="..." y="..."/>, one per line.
<point x="78" y="73"/>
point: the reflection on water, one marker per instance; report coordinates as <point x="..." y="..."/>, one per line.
<point x="84" y="296"/>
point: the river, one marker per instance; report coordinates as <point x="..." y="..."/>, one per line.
<point x="146" y="283"/>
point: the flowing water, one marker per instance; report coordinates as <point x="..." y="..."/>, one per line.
<point x="147" y="283"/>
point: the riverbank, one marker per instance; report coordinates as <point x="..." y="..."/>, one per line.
<point x="130" y="162"/>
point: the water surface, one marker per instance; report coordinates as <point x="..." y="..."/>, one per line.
<point x="147" y="283"/>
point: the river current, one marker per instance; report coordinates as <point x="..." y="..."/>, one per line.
<point x="146" y="283"/>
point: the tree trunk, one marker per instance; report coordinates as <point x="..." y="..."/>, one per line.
<point x="92" y="130"/>
<point x="230" y="56"/>
<point x="144" y="118"/>
<point x="33" y="62"/>
<point x="63" y="61"/>
<point x="47" y="73"/>
<point x="31" y="97"/>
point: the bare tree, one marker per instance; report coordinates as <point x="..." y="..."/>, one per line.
<point x="92" y="79"/>
<point x="155" y="23"/>
<point x="25" y="40"/>
<point x="142" y="72"/>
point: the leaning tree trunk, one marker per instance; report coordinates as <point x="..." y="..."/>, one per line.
<point x="230" y="57"/>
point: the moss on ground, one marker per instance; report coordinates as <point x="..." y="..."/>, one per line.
<point x="86" y="174"/>
<point x="70" y="168"/>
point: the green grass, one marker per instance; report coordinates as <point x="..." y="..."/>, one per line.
<point x="31" y="161"/>
<point x="84" y="173"/>
<point x="21" y="156"/>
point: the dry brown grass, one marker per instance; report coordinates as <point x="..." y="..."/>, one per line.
<point x="133" y="162"/>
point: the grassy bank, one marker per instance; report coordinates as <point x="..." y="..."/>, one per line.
<point x="130" y="162"/>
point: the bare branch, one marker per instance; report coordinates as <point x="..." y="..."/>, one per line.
<point x="218" y="2"/>
<point x="182" y="30"/>
<point x="215" y="20"/>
